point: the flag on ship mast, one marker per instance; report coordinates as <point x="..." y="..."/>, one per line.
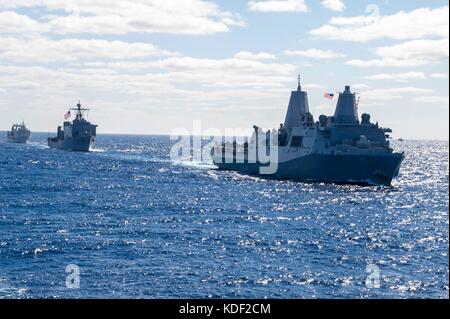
<point x="67" y="115"/>
<point x="328" y="95"/>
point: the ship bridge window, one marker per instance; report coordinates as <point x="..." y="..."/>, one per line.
<point x="296" y="141"/>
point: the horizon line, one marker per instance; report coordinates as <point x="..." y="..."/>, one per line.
<point x="166" y="134"/>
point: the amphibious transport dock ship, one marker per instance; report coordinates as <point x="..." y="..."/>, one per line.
<point x="75" y="136"/>
<point x="336" y="149"/>
<point x="19" y="134"/>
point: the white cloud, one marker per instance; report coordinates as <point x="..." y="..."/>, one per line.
<point x="125" y="16"/>
<point x="334" y="5"/>
<point x="401" y="77"/>
<point x="387" y="63"/>
<point x="313" y="86"/>
<point x="389" y="94"/>
<point x="398" y="76"/>
<point x="41" y="49"/>
<point x="407" y="90"/>
<point x="252" y="56"/>
<point x="400" y="26"/>
<point x="407" y="54"/>
<point x="432" y="99"/>
<point x="278" y="6"/>
<point x="360" y="86"/>
<point x="438" y="75"/>
<point x="162" y="81"/>
<point x="434" y="50"/>
<point x="315" y="53"/>
<point x="12" y="22"/>
<point x="156" y="94"/>
<point x="193" y="65"/>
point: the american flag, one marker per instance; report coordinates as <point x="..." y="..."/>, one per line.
<point x="67" y="115"/>
<point x="328" y="95"/>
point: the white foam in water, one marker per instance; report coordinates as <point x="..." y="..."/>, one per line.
<point x="97" y="150"/>
<point x="41" y="145"/>
<point x="199" y="165"/>
<point x="9" y="291"/>
<point x="132" y="157"/>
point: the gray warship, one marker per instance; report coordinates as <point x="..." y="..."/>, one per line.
<point x="337" y="149"/>
<point x="75" y="136"/>
<point x="19" y="134"/>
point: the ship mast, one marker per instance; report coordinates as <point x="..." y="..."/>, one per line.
<point x="79" y="111"/>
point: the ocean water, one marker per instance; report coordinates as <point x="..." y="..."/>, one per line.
<point x="138" y="225"/>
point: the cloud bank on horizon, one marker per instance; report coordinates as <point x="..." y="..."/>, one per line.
<point x="148" y="66"/>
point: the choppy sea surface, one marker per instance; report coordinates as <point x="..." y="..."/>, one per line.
<point x="139" y="225"/>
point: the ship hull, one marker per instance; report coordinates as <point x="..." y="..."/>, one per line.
<point x="18" y="140"/>
<point x="81" y="144"/>
<point x="340" y="169"/>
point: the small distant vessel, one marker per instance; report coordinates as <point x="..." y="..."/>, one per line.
<point x="76" y="136"/>
<point x="335" y="149"/>
<point x="401" y="140"/>
<point x="19" y="134"/>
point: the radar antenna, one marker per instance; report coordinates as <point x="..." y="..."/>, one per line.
<point x="79" y="110"/>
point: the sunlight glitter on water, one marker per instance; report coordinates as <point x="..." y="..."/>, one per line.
<point x="140" y="225"/>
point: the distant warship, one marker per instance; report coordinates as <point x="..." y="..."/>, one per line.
<point x="76" y="136"/>
<point x="18" y="134"/>
<point x="336" y="149"/>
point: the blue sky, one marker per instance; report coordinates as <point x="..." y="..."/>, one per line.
<point x="149" y="66"/>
